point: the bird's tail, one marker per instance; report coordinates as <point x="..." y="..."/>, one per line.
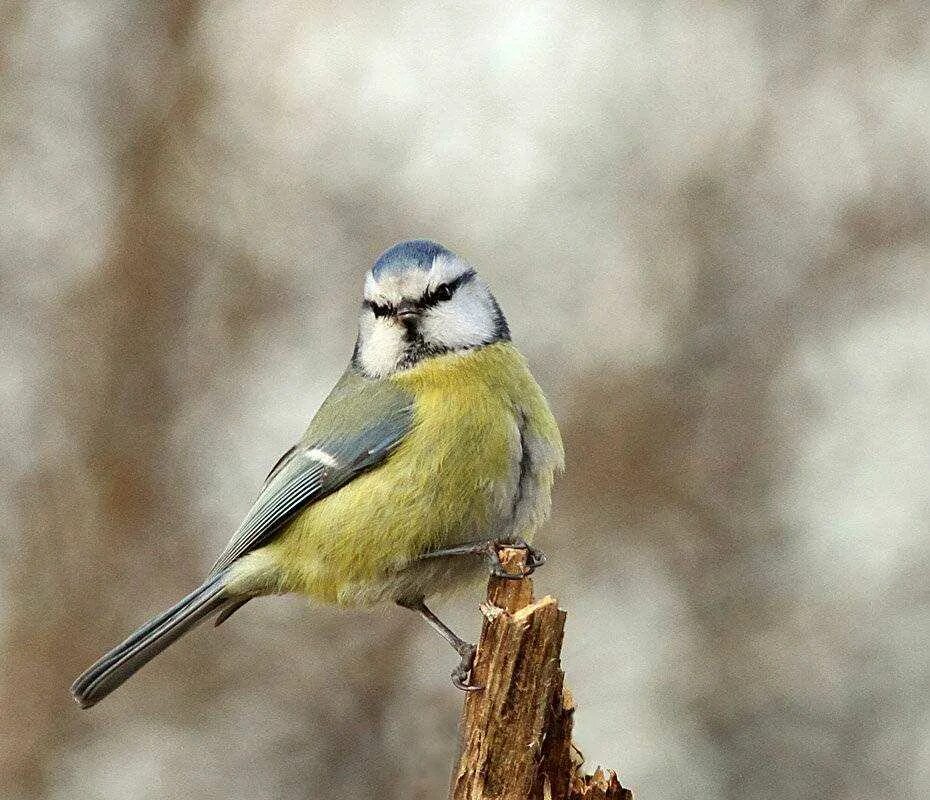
<point x="112" y="669"/>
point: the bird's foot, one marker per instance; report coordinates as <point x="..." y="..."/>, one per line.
<point x="461" y="675"/>
<point x="489" y="549"/>
<point x="534" y="558"/>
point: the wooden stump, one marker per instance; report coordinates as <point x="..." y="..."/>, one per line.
<point x="516" y="737"/>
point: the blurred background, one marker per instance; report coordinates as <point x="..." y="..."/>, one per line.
<point x="708" y="226"/>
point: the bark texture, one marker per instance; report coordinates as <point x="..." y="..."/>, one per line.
<point x="517" y="731"/>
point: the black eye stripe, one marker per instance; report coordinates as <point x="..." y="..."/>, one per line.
<point x="379" y="310"/>
<point x="440" y="294"/>
<point x="445" y="290"/>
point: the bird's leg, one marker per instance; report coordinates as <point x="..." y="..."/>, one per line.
<point x="462" y="673"/>
<point x="488" y="548"/>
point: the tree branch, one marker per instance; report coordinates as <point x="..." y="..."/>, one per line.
<point x="516" y="741"/>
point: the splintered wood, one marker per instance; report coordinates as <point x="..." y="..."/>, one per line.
<point x="517" y="731"/>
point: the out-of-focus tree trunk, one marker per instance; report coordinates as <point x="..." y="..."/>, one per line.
<point x="107" y="500"/>
<point x="99" y="506"/>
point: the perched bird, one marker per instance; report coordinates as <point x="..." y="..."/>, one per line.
<point x="434" y="445"/>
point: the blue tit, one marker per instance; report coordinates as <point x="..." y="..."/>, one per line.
<point x="435" y="443"/>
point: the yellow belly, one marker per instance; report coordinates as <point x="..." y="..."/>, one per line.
<point x="445" y="484"/>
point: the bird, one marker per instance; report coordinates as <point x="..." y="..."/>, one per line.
<point x="435" y="447"/>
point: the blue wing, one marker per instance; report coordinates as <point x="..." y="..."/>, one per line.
<point x="355" y="430"/>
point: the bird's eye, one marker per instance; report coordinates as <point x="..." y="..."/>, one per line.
<point x="443" y="292"/>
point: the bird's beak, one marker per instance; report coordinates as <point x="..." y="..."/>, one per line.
<point x="406" y="311"/>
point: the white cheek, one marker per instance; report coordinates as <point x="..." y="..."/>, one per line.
<point x="382" y="347"/>
<point x="465" y="321"/>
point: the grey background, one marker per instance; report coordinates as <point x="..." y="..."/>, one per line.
<point x="708" y="226"/>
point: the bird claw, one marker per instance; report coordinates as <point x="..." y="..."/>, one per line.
<point x="534" y="558"/>
<point x="461" y="675"/>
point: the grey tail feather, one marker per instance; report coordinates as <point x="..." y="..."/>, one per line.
<point x="124" y="660"/>
<point x="231" y="608"/>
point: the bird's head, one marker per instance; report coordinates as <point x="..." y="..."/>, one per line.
<point x="422" y="300"/>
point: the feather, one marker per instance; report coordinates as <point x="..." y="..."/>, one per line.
<point x="360" y="422"/>
<point x="124" y="660"/>
<point x="453" y="477"/>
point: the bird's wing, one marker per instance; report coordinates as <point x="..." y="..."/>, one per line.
<point x="356" y="428"/>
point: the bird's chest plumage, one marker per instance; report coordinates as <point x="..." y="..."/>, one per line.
<point x="464" y="472"/>
<point x="465" y="451"/>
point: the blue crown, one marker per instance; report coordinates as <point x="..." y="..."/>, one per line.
<point x="414" y="254"/>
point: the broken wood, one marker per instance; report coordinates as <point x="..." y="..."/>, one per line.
<point x="516" y="732"/>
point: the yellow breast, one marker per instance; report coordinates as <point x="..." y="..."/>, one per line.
<point x="443" y="485"/>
